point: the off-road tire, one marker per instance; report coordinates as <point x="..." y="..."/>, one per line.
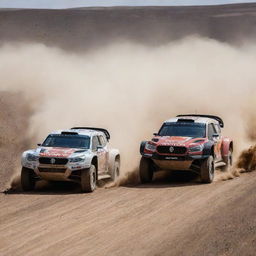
<point x="207" y="170"/>
<point x="88" y="179"/>
<point x="28" y="181"/>
<point x="146" y="170"/>
<point x="115" y="171"/>
<point x="228" y="161"/>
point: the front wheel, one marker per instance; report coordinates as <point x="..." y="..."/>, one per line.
<point x="146" y="170"/>
<point x="207" y="170"/>
<point x="27" y="179"/>
<point x="88" y="179"/>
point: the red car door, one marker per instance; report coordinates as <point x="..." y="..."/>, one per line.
<point x="215" y="136"/>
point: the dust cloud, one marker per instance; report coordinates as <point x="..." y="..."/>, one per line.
<point x="14" y="118"/>
<point x="246" y="162"/>
<point x="130" y="89"/>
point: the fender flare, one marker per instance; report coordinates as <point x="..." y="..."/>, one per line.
<point x="227" y="143"/>
<point x="92" y="159"/>
<point x="142" y="146"/>
<point x="23" y="160"/>
<point x="208" y="149"/>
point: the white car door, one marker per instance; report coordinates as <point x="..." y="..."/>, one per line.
<point x="103" y="153"/>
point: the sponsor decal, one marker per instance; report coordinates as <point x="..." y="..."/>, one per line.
<point x="172" y="144"/>
<point x="58" y="152"/>
<point x="176" y="141"/>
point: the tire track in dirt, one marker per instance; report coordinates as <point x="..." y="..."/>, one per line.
<point x="156" y="219"/>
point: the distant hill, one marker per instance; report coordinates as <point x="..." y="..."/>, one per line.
<point x="92" y="27"/>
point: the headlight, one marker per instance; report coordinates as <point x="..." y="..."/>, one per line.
<point x="197" y="148"/>
<point x="31" y="157"/>
<point x="150" y="147"/>
<point x="76" y="159"/>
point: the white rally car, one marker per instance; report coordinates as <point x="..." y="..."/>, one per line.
<point x="80" y="154"/>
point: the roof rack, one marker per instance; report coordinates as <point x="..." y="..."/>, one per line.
<point x="207" y="116"/>
<point x="93" y="128"/>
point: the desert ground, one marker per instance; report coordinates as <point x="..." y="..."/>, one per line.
<point x="162" y="218"/>
<point x="175" y="215"/>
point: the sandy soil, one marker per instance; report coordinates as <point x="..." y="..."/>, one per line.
<point x="163" y="218"/>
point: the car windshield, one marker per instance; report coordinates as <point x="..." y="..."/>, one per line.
<point x="67" y="141"/>
<point x="194" y="130"/>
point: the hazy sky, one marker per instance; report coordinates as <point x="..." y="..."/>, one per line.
<point x="85" y="3"/>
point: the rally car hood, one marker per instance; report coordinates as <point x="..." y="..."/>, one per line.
<point x="59" y="152"/>
<point x="177" y="141"/>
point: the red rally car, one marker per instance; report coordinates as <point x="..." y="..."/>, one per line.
<point x="189" y="142"/>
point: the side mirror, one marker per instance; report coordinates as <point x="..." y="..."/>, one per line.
<point x="39" y="144"/>
<point x="99" y="147"/>
<point x="155" y="133"/>
<point x="215" y="135"/>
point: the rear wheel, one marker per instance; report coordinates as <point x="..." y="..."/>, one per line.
<point x="27" y="179"/>
<point x="207" y="170"/>
<point x="146" y="170"/>
<point x="228" y="161"/>
<point x="88" y="179"/>
<point x="116" y="171"/>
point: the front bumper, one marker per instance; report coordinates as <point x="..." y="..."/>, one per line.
<point x="176" y="162"/>
<point x="53" y="172"/>
<point x="173" y="165"/>
<point x="187" y="157"/>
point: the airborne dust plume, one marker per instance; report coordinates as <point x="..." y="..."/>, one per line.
<point x="130" y="89"/>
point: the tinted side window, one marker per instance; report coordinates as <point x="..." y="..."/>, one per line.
<point x="103" y="141"/>
<point x="217" y="128"/>
<point x="211" y="130"/>
<point x="95" y="143"/>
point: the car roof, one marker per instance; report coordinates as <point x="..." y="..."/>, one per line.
<point x="196" y="119"/>
<point x="86" y="132"/>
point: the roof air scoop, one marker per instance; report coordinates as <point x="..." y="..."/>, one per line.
<point x="69" y="133"/>
<point x="186" y="120"/>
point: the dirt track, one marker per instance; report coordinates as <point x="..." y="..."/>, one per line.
<point x="164" y="218"/>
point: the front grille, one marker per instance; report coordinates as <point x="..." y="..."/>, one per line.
<point x="53" y="170"/>
<point x="53" y="160"/>
<point x="176" y="150"/>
